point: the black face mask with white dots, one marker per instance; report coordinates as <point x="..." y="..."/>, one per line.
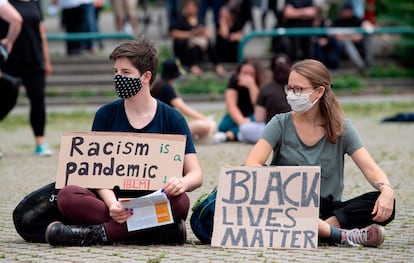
<point x="127" y="87"/>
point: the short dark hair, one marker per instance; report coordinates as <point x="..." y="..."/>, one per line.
<point x="141" y="53"/>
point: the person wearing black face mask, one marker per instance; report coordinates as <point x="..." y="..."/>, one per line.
<point x="270" y="101"/>
<point x="127" y="87"/>
<point x="135" y="68"/>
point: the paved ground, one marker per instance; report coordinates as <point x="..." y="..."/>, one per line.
<point x="390" y="144"/>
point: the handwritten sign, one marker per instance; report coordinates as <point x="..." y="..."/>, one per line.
<point x="267" y="207"/>
<point x="130" y="161"/>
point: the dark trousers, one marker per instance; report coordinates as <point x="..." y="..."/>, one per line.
<point x="82" y="207"/>
<point x="353" y="213"/>
<point x="75" y="20"/>
<point x="190" y="56"/>
<point x="34" y="81"/>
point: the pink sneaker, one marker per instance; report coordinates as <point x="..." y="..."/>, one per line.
<point x="370" y="236"/>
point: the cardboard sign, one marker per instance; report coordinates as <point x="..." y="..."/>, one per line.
<point x="131" y="161"/>
<point x="267" y="207"/>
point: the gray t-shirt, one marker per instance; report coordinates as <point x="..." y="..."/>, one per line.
<point x="289" y="150"/>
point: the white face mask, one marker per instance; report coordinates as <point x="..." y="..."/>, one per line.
<point x="301" y="103"/>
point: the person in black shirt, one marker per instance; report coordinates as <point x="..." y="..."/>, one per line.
<point x="200" y="126"/>
<point x="299" y="13"/>
<point x="241" y="95"/>
<point x="29" y="60"/>
<point x="192" y="40"/>
<point x="270" y="101"/>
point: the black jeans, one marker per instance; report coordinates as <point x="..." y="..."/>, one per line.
<point x="353" y="213"/>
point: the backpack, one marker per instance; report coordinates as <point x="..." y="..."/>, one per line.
<point x="202" y="218"/>
<point x="9" y="92"/>
<point x="35" y="212"/>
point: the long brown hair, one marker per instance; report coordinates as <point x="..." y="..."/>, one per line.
<point x="318" y="75"/>
<point x="259" y="72"/>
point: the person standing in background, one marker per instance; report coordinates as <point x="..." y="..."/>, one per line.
<point x="76" y="18"/>
<point x="126" y="11"/>
<point x="29" y="60"/>
<point x="10" y="15"/>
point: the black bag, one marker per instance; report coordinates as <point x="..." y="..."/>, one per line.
<point x="202" y="219"/>
<point x="9" y="91"/>
<point x="35" y="212"/>
<point x="9" y="86"/>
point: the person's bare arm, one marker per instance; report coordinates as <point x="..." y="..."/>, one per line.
<point x="260" y="113"/>
<point x="290" y="12"/>
<point x="9" y="14"/>
<point x="191" y="180"/>
<point x="259" y="153"/>
<point x="378" y="179"/>
<point x="45" y="48"/>
<point x="185" y="109"/>
<point x="231" y="97"/>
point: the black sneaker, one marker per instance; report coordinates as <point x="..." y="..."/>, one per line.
<point x="58" y="234"/>
<point x="174" y="233"/>
<point x="181" y="236"/>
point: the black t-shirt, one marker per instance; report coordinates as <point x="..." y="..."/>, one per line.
<point x="27" y="50"/>
<point x="273" y="98"/>
<point x="347" y="22"/>
<point x="163" y="91"/>
<point x="243" y="101"/>
<point x="299" y="22"/>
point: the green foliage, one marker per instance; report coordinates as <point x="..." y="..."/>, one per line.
<point x="398" y="13"/>
<point x="347" y="82"/>
<point x="204" y="85"/>
<point x="395" y="13"/>
<point x="378" y="108"/>
<point x="390" y="71"/>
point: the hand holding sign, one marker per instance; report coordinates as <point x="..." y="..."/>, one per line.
<point x="132" y="161"/>
<point x="175" y="186"/>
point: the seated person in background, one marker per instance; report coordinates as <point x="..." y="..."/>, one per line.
<point x="200" y="125"/>
<point x="347" y="18"/>
<point x="270" y="101"/>
<point x="299" y="13"/>
<point x="240" y="96"/>
<point x="326" y="48"/>
<point x="192" y="40"/>
<point x="97" y="215"/>
<point x="315" y="132"/>
<point x="233" y="17"/>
